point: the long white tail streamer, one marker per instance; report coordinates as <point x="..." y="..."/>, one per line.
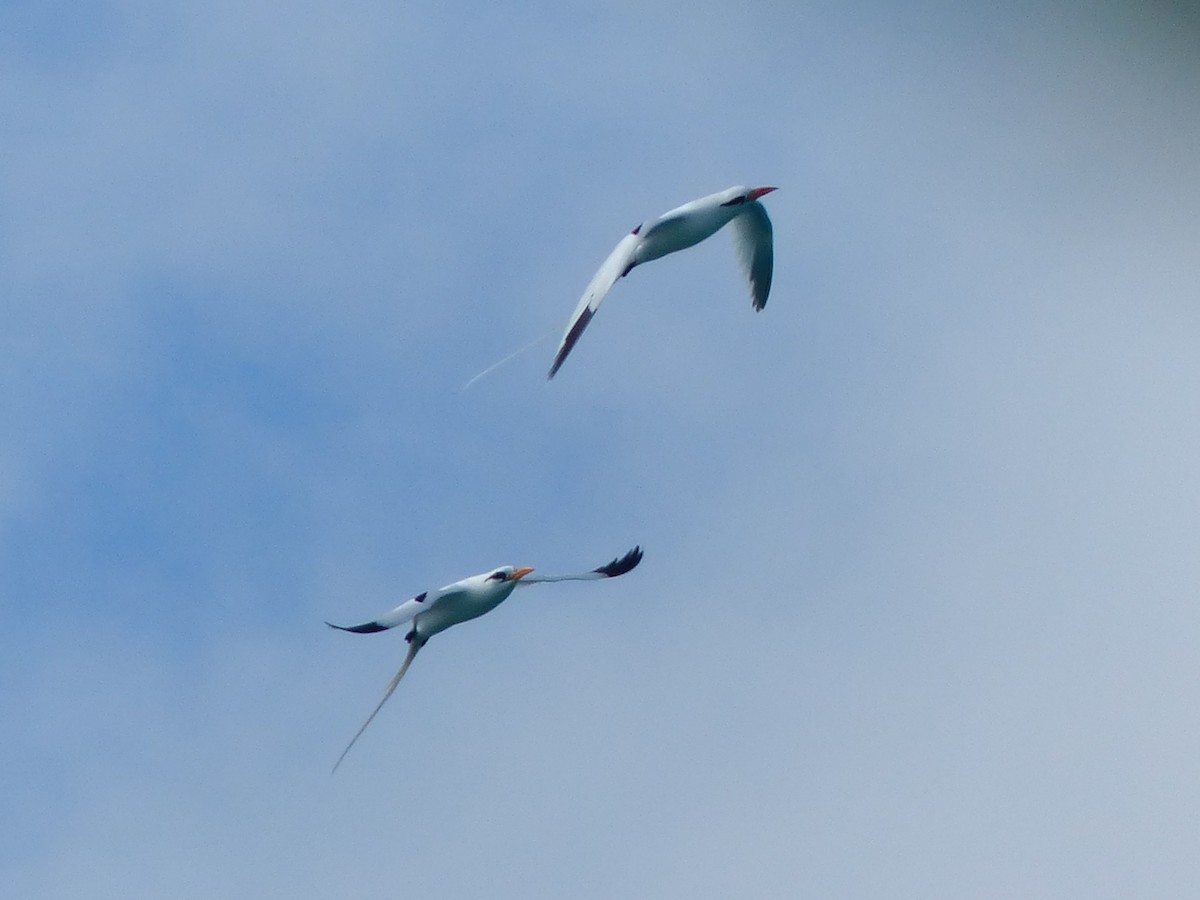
<point x="413" y="646"/>
<point x="510" y="356"/>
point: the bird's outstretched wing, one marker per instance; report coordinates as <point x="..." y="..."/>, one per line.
<point x="752" y="238"/>
<point x="405" y="612"/>
<point x="414" y="644"/>
<point x="617" y="264"/>
<point x="618" y="566"/>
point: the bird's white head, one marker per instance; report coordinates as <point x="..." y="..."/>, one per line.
<point x="736" y="196"/>
<point x="505" y="575"/>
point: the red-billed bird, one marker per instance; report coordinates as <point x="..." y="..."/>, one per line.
<point x="435" y="611"/>
<point x="677" y="230"/>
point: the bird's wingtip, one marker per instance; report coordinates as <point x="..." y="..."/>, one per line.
<point x="621" y="565"/>
<point x="569" y="340"/>
<point x="365" y="628"/>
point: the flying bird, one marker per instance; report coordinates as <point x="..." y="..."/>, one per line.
<point x="677" y="230"/>
<point x="435" y="611"/>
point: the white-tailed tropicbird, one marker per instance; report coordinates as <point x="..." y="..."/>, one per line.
<point x="676" y="230"/>
<point x="435" y="611"/>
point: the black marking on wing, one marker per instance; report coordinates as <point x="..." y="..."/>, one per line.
<point x="626" y="563"/>
<point x="364" y="628"/>
<point x="372" y="627"/>
<point x="569" y="342"/>
<point x="636" y="230"/>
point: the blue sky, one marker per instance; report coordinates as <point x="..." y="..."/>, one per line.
<point x="918" y="610"/>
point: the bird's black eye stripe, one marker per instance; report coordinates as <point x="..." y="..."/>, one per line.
<point x="496" y="576"/>
<point x="736" y="201"/>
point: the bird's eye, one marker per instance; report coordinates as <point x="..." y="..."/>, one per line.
<point x="496" y="576"/>
<point x="736" y="201"/>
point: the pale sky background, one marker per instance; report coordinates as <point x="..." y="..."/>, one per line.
<point x="918" y="615"/>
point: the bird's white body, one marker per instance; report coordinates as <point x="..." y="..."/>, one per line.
<point x="434" y="611"/>
<point x="683" y="227"/>
<point x="460" y="602"/>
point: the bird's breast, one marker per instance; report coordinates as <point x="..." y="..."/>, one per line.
<point x="679" y="232"/>
<point x="460" y="608"/>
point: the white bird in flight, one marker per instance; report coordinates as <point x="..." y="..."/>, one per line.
<point x="677" y="230"/>
<point x="435" y="611"/>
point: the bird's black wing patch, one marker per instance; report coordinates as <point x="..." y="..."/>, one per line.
<point x="375" y="626"/>
<point x="569" y="341"/>
<point x="626" y="563"/>
<point x="364" y="628"/>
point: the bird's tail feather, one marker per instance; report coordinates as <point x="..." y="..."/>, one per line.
<point x="508" y="358"/>
<point x="414" y="645"/>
